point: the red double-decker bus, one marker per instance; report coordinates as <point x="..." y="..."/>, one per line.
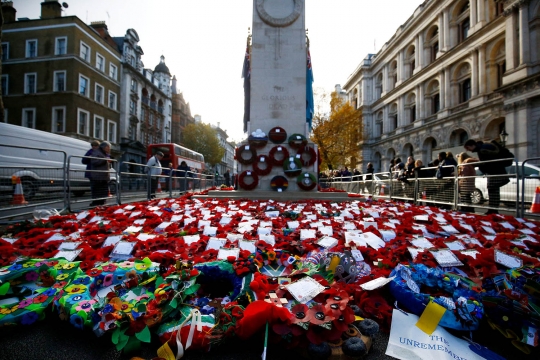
<point x="174" y="154"/>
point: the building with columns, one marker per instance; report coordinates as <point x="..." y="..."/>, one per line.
<point x="455" y="70"/>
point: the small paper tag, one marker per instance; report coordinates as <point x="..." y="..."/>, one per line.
<point x="446" y="258"/>
<point x="509" y="261"/>
<point x="279" y="148"/>
<point x="278" y="130"/>
<point x="430" y="318"/>
<point x="261" y="159"/>
<point x="247" y="147"/>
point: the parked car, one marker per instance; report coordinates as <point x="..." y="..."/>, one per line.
<point x="378" y="186"/>
<point x="531" y="175"/>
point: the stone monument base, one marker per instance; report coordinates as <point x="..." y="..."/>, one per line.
<point x="279" y="196"/>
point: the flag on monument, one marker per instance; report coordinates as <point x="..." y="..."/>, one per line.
<point x="310" y="106"/>
<point x="246" y="74"/>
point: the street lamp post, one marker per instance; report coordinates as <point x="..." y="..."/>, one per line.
<point x="504" y="137"/>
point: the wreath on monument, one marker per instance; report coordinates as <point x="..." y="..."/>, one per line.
<point x="274" y="151"/>
<point x="311" y="153"/>
<point x="262" y="159"/>
<point x="306" y="181"/>
<point x="242" y="182"/>
<point x="240" y="151"/>
<point x="464" y="308"/>
<point x="258" y="138"/>
<point x="279" y="183"/>
<point x="297" y="141"/>
<point x="292" y="166"/>
<point x="277" y="135"/>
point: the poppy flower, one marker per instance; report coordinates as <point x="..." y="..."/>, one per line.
<point x="341" y="298"/>
<point x="29" y="318"/>
<point x="26" y="302"/>
<point x="61" y="277"/>
<point x="109" y="267"/>
<point x="85" y="305"/>
<point x="342" y="321"/>
<point x="75" y="289"/>
<point x="73" y="299"/>
<point x="300" y="314"/>
<point x="77" y="321"/>
<point x="31" y="276"/>
<point x="94" y="272"/>
<point x="83" y="280"/>
<point x="318" y="315"/>
<point x="40" y="299"/>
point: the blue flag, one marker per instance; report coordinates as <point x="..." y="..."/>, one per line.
<point x="246" y="74"/>
<point x="310" y="106"/>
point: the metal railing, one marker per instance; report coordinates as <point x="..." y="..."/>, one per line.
<point x="497" y="192"/>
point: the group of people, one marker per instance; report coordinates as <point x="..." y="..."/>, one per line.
<point x="443" y="169"/>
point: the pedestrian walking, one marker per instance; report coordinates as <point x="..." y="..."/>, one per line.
<point x="227" y="177"/>
<point x="154" y="171"/>
<point x="100" y="175"/>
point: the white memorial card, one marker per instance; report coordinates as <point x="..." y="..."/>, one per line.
<point x="305" y="289"/>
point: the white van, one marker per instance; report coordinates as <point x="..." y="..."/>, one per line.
<point x="41" y="170"/>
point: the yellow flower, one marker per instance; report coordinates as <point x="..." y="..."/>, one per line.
<point x="68" y="266"/>
<point x="141" y="266"/>
<point x="75" y="289"/>
<point x="28" y="264"/>
<point x="62" y="277"/>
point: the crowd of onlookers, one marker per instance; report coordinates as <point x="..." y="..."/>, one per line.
<point x="442" y="170"/>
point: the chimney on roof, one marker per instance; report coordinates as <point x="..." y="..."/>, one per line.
<point x="9" y="12"/>
<point x="51" y="9"/>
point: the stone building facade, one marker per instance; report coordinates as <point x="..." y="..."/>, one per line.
<point x="60" y="75"/>
<point x="146" y="100"/>
<point x="181" y="114"/>
<point x="455" y="70"/>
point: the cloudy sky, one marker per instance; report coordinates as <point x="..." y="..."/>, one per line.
<point x="204" y="41"/>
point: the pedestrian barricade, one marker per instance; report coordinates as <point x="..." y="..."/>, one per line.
<point x="36" y="174"/>
<point x="529" y="180"/>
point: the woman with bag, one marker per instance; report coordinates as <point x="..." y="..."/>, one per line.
<point x="466" y="186"/>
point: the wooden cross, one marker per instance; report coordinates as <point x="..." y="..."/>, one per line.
<point x="272" y="298"/>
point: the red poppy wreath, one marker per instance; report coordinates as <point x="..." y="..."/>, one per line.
<point x="244" y="149"/>
<point x="277" y="135"/>
<point x="292" y="166"/>
<point x="308" y="156"/>
<point x="278" y="150"/>
<point x="266" y="165"/>
<point x="248" y="174"/>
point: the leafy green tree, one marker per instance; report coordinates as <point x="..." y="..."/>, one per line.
<point x="337" y="134"/>
<point x="203" y="139"/>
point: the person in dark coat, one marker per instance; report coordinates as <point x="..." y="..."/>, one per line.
<point x="100" y="174"/>
<point x="182" y="171"/>
<point x="227" y="177"/>
<point x="486" y="152"/>
<point x="94" y="145"/>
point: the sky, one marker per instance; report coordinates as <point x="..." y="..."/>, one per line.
<point x="204" y="42"/>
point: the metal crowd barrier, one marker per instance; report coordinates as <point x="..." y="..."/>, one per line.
<point x="42" y="177"/>
<point x="448" y="192"/>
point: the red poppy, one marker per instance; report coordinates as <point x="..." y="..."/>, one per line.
<point x="40" y="299"/>
<point x="318" y="315"/>
<point x="94" y="272"/>
<point x="342" y="321"/>
<point x="300" y="314"/>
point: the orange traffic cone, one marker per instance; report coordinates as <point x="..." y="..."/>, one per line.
<point x="382" y="191"/>
<point x="159" y="186"/>
<point x="424" y="195"/>
<point x="18" y="194"/>
<point x="535" y="207"/>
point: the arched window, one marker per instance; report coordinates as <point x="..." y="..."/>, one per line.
<point x="378" y="86"/>
<point x="393" y="117"/>
<point x="432" y="43"/>
<point x="410" y="107"/>
<point x="379" y="124"/>
<point x="410" y="60"/>
<point x="433" y="100"/>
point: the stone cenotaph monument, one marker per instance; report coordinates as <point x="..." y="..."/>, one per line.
<point x="277" y="157"/>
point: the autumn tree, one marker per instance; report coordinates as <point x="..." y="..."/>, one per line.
<point x="337" y="133"/>
<point x="203" y="139"/>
